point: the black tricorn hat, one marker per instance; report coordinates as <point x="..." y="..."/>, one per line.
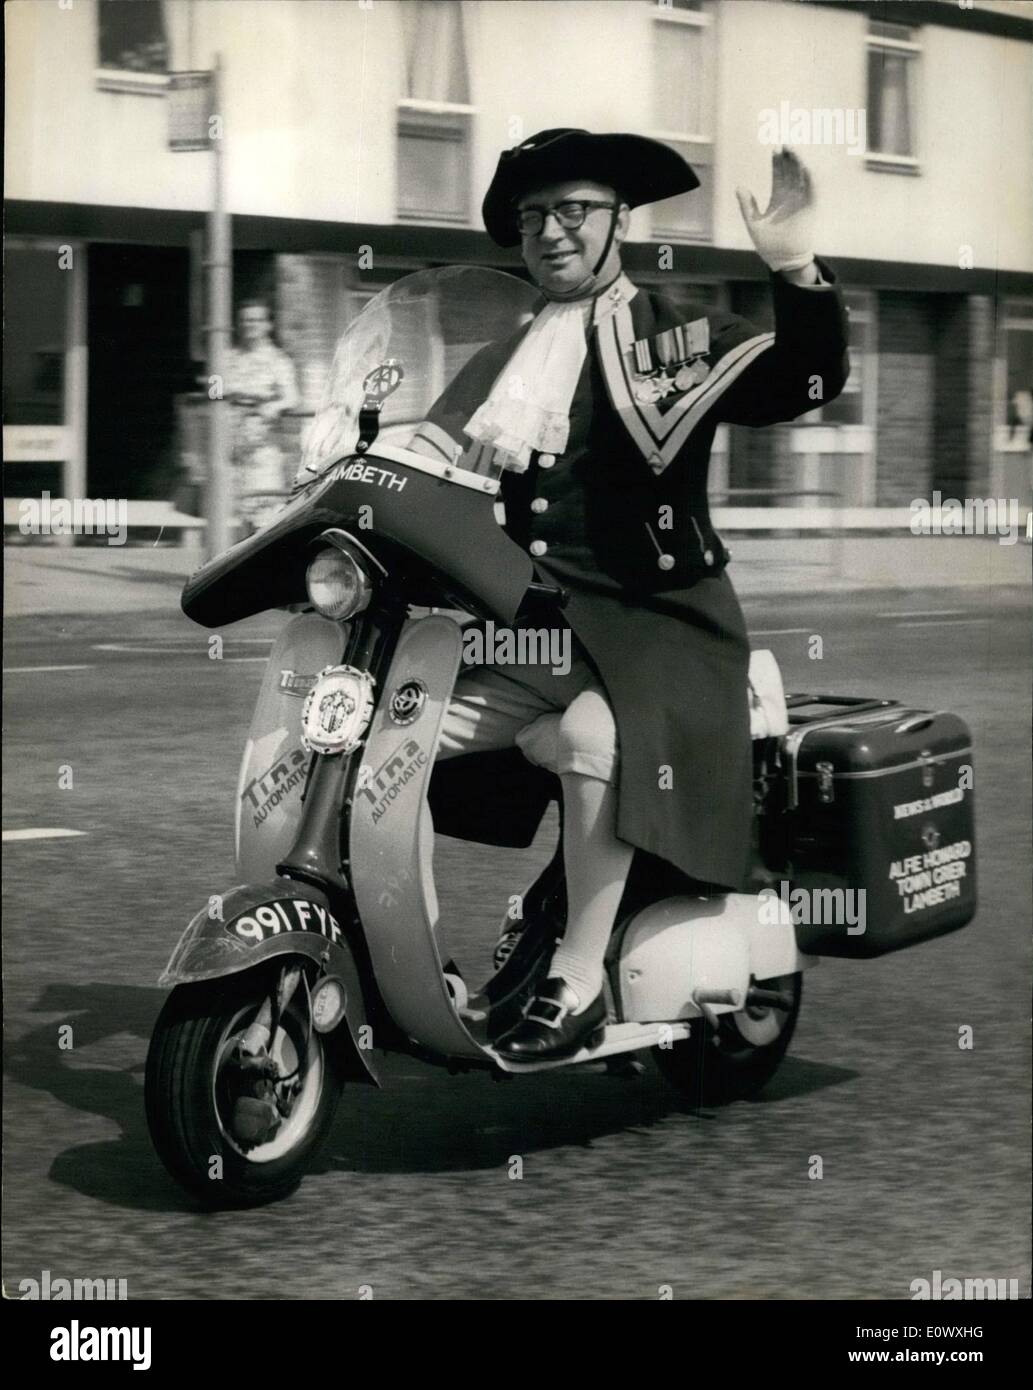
<point x="641" y="170"/>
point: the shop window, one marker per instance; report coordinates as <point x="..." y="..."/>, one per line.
<point x="44" y="316"/>
<point x="34" y="339"/>
<point x="1015" y="412"/>
<point x="133" y="46"/>
<point x="855" y="405"/>
<point x="893" y="57"/>
<point x="434" y="115"/>
<point x="682" y="84"/>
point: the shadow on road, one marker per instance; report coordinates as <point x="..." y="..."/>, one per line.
<point x="423" y="1121"/>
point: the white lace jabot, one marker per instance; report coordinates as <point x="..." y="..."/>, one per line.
<point x="528" y="407"/>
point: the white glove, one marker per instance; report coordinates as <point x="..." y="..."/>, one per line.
<point x="784" y="235"/>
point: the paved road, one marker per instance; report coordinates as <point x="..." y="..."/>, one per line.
<point x="925" y="1147"/>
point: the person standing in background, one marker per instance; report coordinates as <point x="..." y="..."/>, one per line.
<point x="260" y="385"/>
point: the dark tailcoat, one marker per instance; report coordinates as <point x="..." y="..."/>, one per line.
<point x="621" y="521"/>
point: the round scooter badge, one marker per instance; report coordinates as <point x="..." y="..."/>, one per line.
<point x="407" y="701"/>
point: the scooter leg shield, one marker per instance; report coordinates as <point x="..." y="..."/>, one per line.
<point x="274" y="765"/>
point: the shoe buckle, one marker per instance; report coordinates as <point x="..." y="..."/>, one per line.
<point x="558" y="1012"/>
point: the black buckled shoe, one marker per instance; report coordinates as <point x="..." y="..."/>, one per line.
<point x="549" y="1030"/>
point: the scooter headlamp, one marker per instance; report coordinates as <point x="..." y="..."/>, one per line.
<point x="338" y="587"/>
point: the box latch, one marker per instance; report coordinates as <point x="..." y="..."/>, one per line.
<point x="826" y="790"/>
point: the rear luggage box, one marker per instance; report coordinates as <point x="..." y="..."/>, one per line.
<point x="879" y="803"/>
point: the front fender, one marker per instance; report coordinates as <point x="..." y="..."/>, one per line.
<point x="252" y="922"/>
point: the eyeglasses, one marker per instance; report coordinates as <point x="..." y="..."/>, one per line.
<point x="531" y="221"/>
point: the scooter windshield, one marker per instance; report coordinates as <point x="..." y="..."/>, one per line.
<point x="415" y="366"/>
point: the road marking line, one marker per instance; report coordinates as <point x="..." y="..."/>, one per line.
<point x="776" y="631"/>
<point x="944" y="622"/>
<point x="23" y="670"/>
<point x="40" y="834"/>
<point x="197" y="649"/>
<point x="924" y="613"/>
<point x="232" y="660"/>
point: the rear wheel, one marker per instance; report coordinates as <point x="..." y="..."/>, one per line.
<point x="198" y="1098"/>
<point x="738" y="1058"/>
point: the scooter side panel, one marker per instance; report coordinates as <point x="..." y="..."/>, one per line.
<point x="238" y="929"/>
<point x="391" y="870"/>
<point x="680" y="945"/>
<point x="274" y="765"/>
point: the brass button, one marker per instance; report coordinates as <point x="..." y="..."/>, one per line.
<point x="546" y="460"/>
<point x="708" y="557"/>
<point x="539" y="505"/>
<point x="539" y="548"/>
<point x="666" y="562"/>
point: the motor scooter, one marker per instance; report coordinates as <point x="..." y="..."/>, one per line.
<point x="327" y="952"/>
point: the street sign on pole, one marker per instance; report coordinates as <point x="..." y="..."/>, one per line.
<point x="191" y="105"/>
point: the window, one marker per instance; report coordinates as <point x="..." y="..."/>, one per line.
<point x="44" y="377"/>
<point x="893" y="58"/>
<point x="1015" y="418"/>
<point x="36" y="293"/>
<point x="855" y="405"/>
<point x="434" y="115"/>
<point x="133" y="47"/>
<point x="682" y="39"/>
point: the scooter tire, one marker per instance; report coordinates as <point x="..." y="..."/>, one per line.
<point x="180" y="1097"/>
<point x="713" y="1067"/>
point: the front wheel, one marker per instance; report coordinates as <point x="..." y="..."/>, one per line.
<point x="734" y="1061"/>
<point x="194" y="1085"/>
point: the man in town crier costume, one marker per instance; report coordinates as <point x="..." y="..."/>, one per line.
<point x="603" y="410"/>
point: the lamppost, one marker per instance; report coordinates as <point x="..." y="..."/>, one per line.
<point x="197" y="122"/>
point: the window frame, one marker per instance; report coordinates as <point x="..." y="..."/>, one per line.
<point x="126" y="80"/>
<point x="701" y="144"/>
<point x="419" y="113"/>
<point x="912" y="49"/>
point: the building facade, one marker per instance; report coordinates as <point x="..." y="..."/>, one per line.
<point x="359" y="136"/>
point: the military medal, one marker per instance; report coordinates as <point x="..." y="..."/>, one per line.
<point x="692" y="374"/>
<point x="680" y="351"/>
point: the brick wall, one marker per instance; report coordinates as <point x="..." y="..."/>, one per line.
<point x="963" y="401"/>
<point x="906" y="385"/>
